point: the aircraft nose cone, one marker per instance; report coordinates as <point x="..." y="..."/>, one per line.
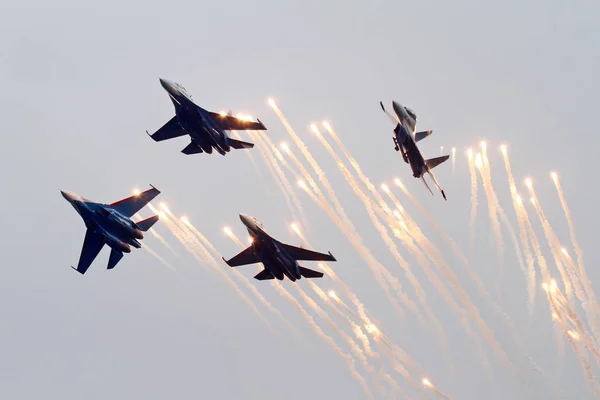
<point x="397" y="108"/>
<point x="68" y="195"/>
<point x="165" y="83"/>
<point x="244" y="218"/>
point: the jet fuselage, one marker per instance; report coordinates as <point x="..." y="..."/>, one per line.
<point x="273" y="256"/>
<point x="405" y="139"/>
<point x="195" y="120"/>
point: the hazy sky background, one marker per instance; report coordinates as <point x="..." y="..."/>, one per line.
<point x="80" y="87"/>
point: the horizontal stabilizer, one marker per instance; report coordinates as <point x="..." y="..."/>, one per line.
<point x="422" y="135"/>
<point x="264" y="275"/>
<point x="434" y="162"/>
<point x="309" y="273"/>
<point x="115" y="257"/>
<point x="238" y="144"/>
<point x="135" y="203"/>
<point x="147" y="223"/>
<point x="192" y="148"/>
<point x="298" y="253"/>
<point x="245" y="257"/>
<point x="170" y="130"/>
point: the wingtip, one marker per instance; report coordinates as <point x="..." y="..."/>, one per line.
<point x="77" y="270"/>
<point x="223" y="258"/>
<point x="331" y="255"/>
<point x="261" y="124"/>
<point x="153" y="187"/>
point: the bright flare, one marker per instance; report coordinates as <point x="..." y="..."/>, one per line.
<point x="326" y="125"/>
<point x="136" y="192"/>
<point x="554" y="176"/>
<point x="295" y="228"/>
<point x="228" y="231"/>
<point x="519" y="200"/>
<point x="302" y="184"/>
<point x="470" y="152"/>
<point x="545" y="286"/>
<point x="185" y="220"/>
<point x="313" y="128"/>
<point x="332" y="294"/>
<point x="285" y="147"/>
<point x="564" y="251"/>
<point x="574" y="335"/>
<point x="271" y="102"/>
<point x="528" y="182"/>
<point x="385" y="187"/>
<point x="503" y="149"/>
<point x="427" y="383"/>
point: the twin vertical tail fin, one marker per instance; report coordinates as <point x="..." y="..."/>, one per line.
<point x="431" y="164"/>
<point x="115" y="257"/>
<point x="422" y="135"/>
<point x="434" y="162"/>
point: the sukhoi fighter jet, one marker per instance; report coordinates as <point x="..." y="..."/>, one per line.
<point x="405" y="141"/>
<point x="111" y="224"/>
<point x="206" y="129"/>
<point x="278" y="259"/>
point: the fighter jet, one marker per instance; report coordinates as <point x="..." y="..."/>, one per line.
<point x="405" y="141"/>
<point x="206" y="129"/>
<point x="111" y="224"/>
<point x="278" y="259"/>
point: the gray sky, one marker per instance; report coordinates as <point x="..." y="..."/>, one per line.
<point x="80" y="87"/>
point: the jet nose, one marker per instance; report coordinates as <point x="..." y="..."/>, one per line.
<point x="165" y="84"/>
<point x="69" y="196"/>
<point x="245" y="218"/>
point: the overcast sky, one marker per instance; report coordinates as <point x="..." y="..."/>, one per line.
<point x="80" y="87"/>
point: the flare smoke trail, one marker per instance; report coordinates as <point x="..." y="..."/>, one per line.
<point x="517" y="202"/>
<point x="345" y="226"/>
<point x="159" y="258"/>
<point x="159" y="238"/>
<point x="488" y="334"/>
<point x="316" y="328"/>
<point x="329" y="271"/>
<point x="453" y="160"/>
<point x="482" y="164"/>
<point x="195" y="248"/>
<point x="356" y="241"/>
<point x="552" y="243"/>
<point x="207" y="246"/>
<point x="473" y="174"/>
<point x="592" y="305"/>
<point x="386" y="238"/>
<point x="271" y="157"/>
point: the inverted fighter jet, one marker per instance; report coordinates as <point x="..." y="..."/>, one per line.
<point x="111" y="224"/>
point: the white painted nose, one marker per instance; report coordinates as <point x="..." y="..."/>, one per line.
<point x="246" y="220"/>
<point x="69" y="196"/>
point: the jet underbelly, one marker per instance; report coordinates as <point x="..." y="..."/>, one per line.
<point x="417" y="162"/>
